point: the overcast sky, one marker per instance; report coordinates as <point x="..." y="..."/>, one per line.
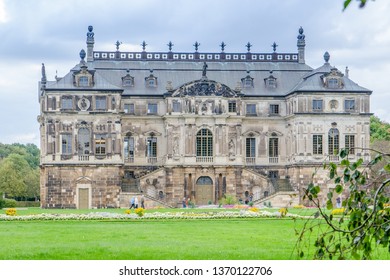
<point x="53" y="32"/>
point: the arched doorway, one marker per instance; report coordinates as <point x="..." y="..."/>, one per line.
<point x="204" y="190"/>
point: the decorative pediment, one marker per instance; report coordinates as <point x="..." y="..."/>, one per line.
<point x="204" y="87"/>
<point x="273" y="133"/>
<point x="251" y="133"/>
<point x="83" y="180"/>
<point x="333" y="79"/>
<point x="128" y="80"/>
<point x="83" y="77"/>
<point x="152" y="132"/>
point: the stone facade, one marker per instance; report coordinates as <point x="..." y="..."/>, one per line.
<point x="194" y="125"/>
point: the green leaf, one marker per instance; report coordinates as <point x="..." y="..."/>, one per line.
<point x="330" y="195"/>
<point x="329" y="205"/>
<point x="387" y="168"/>
<point x="343" y="153"/>
<point x="339" y="189"/>
<point x="345" y="162"/>
<point x="337" y="180"/>
<point x="346" y="3"/>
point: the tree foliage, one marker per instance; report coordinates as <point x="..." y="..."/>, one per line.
<point x="362" y="3"/>
<point x="364" y="222"/>
<point x="19" y="170"/>
<point x="379" y="130"/>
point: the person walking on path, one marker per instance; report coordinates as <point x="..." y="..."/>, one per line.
<point x="142" y="202"/>
<point x="136" y="202"/>
<point x="184" y="202"/>
<point x="132" y="201"/>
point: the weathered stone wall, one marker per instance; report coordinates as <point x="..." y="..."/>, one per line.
<point x="61" y="187"/>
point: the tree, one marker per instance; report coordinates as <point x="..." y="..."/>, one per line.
<point x="364" y="220"/>
<point x="379" y="130"/>
<point x="13" y="171"/>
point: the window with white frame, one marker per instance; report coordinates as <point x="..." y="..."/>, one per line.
<point x="100" y="144"/>
<point x="66" y="144"/>
<point x="333" y="141"/>
<point x="350" y="144"/>
<point x="317" y="105"/>
<point x="250" y="148"/>
<point x="317" y="144"/>
<point x="349" y="104"/>
<point x="274" y="109"/>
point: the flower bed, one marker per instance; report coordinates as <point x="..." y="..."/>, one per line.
<point x="150" y="216"/>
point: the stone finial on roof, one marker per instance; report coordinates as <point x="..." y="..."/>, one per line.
<point x="346" y="72"/>
<point x="301" y="36"/>
<point x="117" y="44"/>
<point x="326" y="57"/>
<point x="170" y="45"/>
<point x="90" y="34"/>
<point x="143" y="45"/>
<point x="90" y="43"/>
<point x="196" y="45"/>
<point x="82" y="55"/>
<point x="222" y="45"/>
<point x="248" y="46"/>
<point x="43" y="79"/>
<point x="301" y="46"/>
<point x="274" y="46"/>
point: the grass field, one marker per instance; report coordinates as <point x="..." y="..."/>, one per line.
<point x="223" y="239"/>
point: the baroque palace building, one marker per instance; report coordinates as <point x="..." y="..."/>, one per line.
<point x="198" y="125"/>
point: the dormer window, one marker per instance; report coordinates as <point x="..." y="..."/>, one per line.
<point x="128" y="80"/>
<point x="333" y="79"/>
<point x="83" y="81"/>
<point x="151" y="80"/>
<point x="247" y="82"/>
<point x="270" y="82"/>
<point x="83" y="78"/>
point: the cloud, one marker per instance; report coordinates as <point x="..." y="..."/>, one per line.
<point x="3" y="13"/>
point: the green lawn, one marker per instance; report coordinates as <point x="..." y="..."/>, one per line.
<point x="150" y="240"/>
<point x="223" y="239"/>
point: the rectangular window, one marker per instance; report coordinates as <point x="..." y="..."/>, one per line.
<point x="176" y="106"/>
<point x="83" y="81"/>
<point x="100" y="144"/>
<point x="350" y="144"/>
<point x="129" y="108"/>
<point x="333" y="83"/>
<point x="66" y="102"/>
<point x="129" y="147"/>
<point x="152" y="109"/>
<point x="349" y="105"/>
<point x="273" y="147"/>
<point x="101" y="103"/>
<point x="151" y="144"/>
<point x="53" y="103"/>
<point x="250" y="149"/>
<point x="317" y="144"/>
<point x="232" y="106"/>
<point x="251" y="109"/>
<point x="274" y="109"/>
<point x="317" y="105"/>
<point x="66" y="144"/>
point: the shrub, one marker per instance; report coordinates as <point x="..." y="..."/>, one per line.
<point x="283" y="211"/>
<point x="2" y="203"/>
<point x="9" y="203"/>
<point x="254" y="209"/>
<point x="140" y="211"/>
<point x="28" y="204"/>
<point x="127" y="211"/>
<point x="338" y="211"/>
<point x="10" y="212"/>
<point x="250" y="203"/>
<point x="228" y="200"/>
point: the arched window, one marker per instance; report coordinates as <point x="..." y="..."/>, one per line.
<point x="204" y="180"/>
<point x="204" y="143"/>
<point x="333" y="141"/>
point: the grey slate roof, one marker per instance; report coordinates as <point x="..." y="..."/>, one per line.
<point x="290" y="76"/>
<point x="312" y="82"/>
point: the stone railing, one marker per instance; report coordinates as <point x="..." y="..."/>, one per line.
<point x="205" y="159"/>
